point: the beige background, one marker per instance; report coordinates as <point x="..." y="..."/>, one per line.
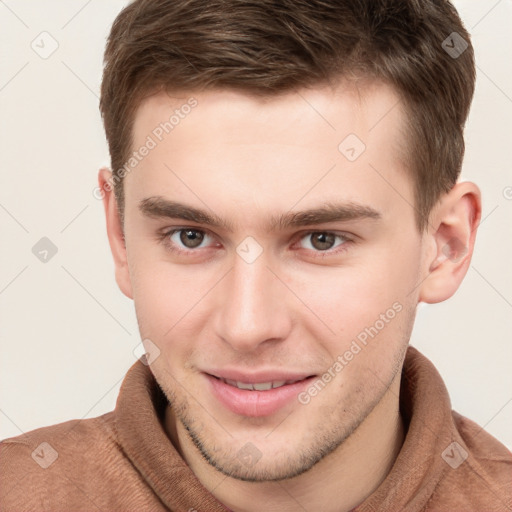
<point x="66" y="331"/>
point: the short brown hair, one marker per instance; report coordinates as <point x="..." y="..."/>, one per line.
<point x="266" y="47"/>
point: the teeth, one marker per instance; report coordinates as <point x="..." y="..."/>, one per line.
<point x="261" y="386"/>
<point x="243" y="385"/>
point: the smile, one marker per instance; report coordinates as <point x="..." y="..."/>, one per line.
<point x="258" y="386"/>
<point x="256" y="399"/>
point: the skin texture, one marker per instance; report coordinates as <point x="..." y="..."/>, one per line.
<point x="295" y="307"/>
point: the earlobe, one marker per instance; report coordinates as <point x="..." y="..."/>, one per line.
<point x="452" y="232"/>
<point x="115" y="232"/>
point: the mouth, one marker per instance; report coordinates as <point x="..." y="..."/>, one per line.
<point x="258" y="386"/>
<point x="259" y="396"/>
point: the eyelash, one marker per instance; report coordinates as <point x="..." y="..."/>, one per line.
<point x="164" y="238"/>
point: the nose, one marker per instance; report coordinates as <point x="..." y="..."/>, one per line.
<point x="252" y="307"/>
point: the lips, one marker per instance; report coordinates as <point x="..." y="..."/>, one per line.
<point x="256" y="395"/>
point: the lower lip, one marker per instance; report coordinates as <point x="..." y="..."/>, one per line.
<point x="255" y="403"/>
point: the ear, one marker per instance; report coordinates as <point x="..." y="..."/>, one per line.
<point x="115" y="232"/>
<point x="452" y="232"/>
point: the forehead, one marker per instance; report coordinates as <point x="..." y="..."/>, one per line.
<point x="242" y="150"/>
<point x="360" y="106"/>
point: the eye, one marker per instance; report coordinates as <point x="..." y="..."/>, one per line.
<point x="187" y="238"/>
<point x="322" y="240"/>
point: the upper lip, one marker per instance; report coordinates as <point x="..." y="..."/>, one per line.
<point x="257" y="377"/>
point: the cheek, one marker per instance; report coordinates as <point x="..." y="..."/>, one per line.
<point x="375" y="295"/>
<point x="172" y="303"/>
<point x="161" y="295"/>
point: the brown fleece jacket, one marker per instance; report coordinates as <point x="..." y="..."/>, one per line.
<point x="124" y="461"/>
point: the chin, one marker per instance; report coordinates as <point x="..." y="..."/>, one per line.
<point x="258" y="459"/>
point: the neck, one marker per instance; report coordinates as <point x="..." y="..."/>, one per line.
<point x="338" y="483"/>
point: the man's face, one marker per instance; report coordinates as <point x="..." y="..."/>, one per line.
<point x="267" y="294"/>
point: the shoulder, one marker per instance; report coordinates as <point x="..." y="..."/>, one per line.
<point x="44" y="446"/>
<point x="487" y="453"/>
<point x="477" y="473"/>
<point x="55" y="460"/>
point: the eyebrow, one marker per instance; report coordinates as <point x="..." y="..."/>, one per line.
<point x="159" y="207"/>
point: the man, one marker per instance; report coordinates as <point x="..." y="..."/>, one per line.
<point x="284" y="195"/>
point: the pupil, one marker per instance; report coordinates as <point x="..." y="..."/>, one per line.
<point x="191" y="238"/>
